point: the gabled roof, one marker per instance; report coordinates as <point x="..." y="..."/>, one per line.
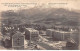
<point x="6" y="38"/>
<point x="18" y="34"/>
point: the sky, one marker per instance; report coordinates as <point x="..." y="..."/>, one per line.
<point x="20" y="4"/>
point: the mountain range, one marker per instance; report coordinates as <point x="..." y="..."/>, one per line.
<point x="43" y="16"/>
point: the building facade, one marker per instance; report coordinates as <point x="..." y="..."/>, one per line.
<point x="18" y="41"/>
<point x="31" y="34"/>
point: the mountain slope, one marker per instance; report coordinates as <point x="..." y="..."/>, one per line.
<point x="49" y="16"/>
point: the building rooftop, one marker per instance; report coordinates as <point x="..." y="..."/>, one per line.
<point x="32" y="30"/>
<point x="59" y="31"/>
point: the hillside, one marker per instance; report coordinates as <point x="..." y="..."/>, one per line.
<point x="46" y="16"/>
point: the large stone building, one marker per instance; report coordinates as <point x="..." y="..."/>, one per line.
<point x="60" y="35"/>
<point x="18" y="41"/>
<point x="31" y="34"/>
<point x="69" y="36"/>
<point x="63" y="35"/>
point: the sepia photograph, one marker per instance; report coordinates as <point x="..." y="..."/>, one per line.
<point x="39" y="25"/>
